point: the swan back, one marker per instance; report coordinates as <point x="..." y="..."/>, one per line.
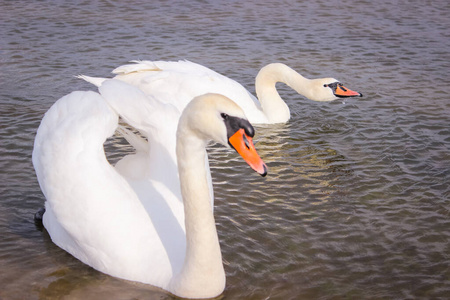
<point x="155" y="120"/>
<point x="92" y="212"/>
<point x="65" y="133"/>
<point x="178" y="82"/>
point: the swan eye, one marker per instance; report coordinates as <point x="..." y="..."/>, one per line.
<point x="224" y="116"/>
<point x="325" y="85"/>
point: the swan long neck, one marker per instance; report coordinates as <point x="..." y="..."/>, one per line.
<point x="273" y="106"/>
<point x="203" y="262"/>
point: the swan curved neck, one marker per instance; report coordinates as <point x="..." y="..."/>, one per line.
<point x="273" y="106"/>
<point x="202" y="270"/>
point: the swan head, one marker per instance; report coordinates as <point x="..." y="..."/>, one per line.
<point x="328" y="89"/>
<point x="216" y="117"/>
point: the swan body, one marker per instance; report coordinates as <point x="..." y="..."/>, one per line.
<point x="179" y="82"/>
<point x="138" y="227"/>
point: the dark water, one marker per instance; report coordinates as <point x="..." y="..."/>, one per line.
<point x="356" y="204"/>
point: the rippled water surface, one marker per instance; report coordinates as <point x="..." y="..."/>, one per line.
<point x="356" y="204"/>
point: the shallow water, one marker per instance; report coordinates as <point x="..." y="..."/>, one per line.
<point x="356" y="204"/>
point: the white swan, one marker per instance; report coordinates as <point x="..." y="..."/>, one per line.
<point x="179" y="82"/>
<point x="137" y="229"/>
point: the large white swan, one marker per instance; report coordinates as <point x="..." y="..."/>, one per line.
<point x="137" y="228"/>
<point x="179" y="82"/>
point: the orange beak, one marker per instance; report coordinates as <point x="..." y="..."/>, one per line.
<point x="342" y="91"/>
<point x="243" y="144"/>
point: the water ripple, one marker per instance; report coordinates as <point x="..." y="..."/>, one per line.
<point x="355" y="204"/>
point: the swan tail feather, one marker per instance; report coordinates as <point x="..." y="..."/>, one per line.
<point x="97" y="81"/>
<point x="133" y="139"/>
<point x="138" y="66"/>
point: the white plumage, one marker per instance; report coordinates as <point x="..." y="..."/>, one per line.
<point x="179" y="82"/>
<point x="135" y="225"/>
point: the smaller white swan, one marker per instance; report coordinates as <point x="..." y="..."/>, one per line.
<point x="179" y="82"/>
<point x="140" y="233"/>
